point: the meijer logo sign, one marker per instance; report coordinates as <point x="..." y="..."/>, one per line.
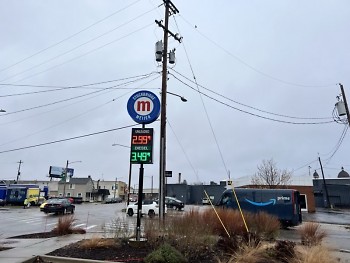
<point x="144" y="107"/>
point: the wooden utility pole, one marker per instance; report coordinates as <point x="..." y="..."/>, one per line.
<point x="346" y="104"/>
<point x="19" y="170"/>
<point x="162" y="160"/>
<point x="325" y="185"/>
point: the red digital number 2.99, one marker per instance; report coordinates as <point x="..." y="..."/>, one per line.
<point x="140" y="139"/>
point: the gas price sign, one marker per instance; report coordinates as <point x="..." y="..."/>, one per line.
<point x="141" y="145"/>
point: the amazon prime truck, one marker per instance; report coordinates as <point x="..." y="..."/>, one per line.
<point x="282" y="203"/>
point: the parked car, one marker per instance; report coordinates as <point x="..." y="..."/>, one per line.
<point x="149" y="207"/>
<point x="174" y="203"/>
<point x="58" y="206"/>
<point x="2" y="202"/>
<point x="111" y="200"/>
<point x="42" y="206"/>
<point x="206" y="201"/>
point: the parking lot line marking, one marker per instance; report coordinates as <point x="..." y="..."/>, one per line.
<point x="79" y="225"/>
<point x="89" y="227"/>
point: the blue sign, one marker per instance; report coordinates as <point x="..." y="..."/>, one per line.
<point x="144" y="107"/>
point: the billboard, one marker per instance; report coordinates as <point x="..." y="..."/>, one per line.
<point x="59" y="172"/>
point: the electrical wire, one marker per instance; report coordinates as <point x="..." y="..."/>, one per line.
<point x="69" y="37"/>
<point x="183" y="149"/>
<point x="86" y="53"/>
<point x="68" y="99"/>
<point x="339" y="143"/>
<point x="248" y="65"/>
<point x="76" y="47"/>
<point x="254" y="108"/>
<point x="68" y="139"/>
<point x="59" y="88"/>
<point x="204" y="106"/>
<point x="250" y="113"/>
<point x="76" y="116"/>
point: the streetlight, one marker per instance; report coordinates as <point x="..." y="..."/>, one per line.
<point x="181" y="97"/>
<point x="66" y="176"/>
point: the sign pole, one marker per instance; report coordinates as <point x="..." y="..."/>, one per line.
<point x="144" y="108"/>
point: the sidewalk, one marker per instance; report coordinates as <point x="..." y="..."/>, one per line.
<point x="25" y="249"/>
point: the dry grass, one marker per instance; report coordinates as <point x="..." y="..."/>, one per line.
<point x="97" y="242"/>
<point x="119" y="229"/>
<point x="197" y="231"/>
<point x="251" y="254"/>
<point x="311" y="234"/>
<point x="186" y="233"/>
<point x="264" y="226"/>
<point x="65" y="226"/>
<point x="315" y="254"/>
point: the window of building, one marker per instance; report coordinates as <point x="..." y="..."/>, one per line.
<point x="79" y="195"/>
<point x="68" y="194"/>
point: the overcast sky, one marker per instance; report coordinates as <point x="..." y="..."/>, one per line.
<point x="267" y="77"/>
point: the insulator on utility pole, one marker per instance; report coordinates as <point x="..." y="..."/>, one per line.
<point x="172" y="56"/>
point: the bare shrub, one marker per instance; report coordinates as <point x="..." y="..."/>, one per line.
<point x="264" y="226"/>
<point x="315" y="254"/>
<point x="231" y="219"/>
<point x="284" y="250"/>
<point x="186" y="233"/>
<point x="65" y="226"/>
<point x="97" y="242"/>
<point x="311" y="234"/>
<point x="118" y="228"/>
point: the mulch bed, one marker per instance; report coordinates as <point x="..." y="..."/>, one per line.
<point x="118" y="253"/>
<point x="121" y="253"/>
<point x="36" y="235"/>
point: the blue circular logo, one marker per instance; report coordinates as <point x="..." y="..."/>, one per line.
<point x="144" y="107"/>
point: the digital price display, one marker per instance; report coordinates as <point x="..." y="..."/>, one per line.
<point x="141" y="145"/>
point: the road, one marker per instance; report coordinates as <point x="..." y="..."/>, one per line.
<point x="94" y="217"/>
<point x="103" y="218"/>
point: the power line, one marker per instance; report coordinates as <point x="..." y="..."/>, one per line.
<point x="340" y="141"/>
<point x="69" y="37"/>
<point x="248" y="65"/>
<point x="204" y="107"/>
<point x="254" y="108"/>
<point x="250" y="113"/>
<point x="68" y="139"/>
<point x="85" y="54"/>
<point x="76" y="47"/>
<point x="59" y="88"/>
<point x="76" y="116"/>
<point x="72" y="98"/>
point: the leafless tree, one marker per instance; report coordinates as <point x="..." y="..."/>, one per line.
<point x="268" y="174"/>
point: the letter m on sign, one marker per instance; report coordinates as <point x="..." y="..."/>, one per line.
<point x="143" y="106"/>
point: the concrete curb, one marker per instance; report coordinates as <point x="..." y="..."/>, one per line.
<point x="53" y="259"/>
